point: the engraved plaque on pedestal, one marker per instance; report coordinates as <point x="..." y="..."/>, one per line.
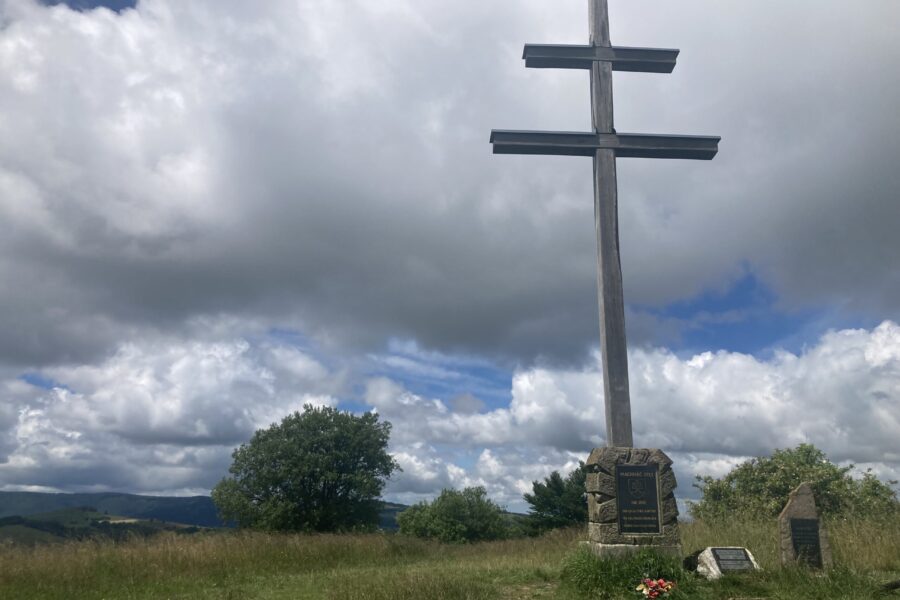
<point x="637" y="497"/>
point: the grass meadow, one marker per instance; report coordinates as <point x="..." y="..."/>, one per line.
<point x="239" y="565"/>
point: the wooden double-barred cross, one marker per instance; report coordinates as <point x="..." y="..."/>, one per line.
<point x="605" y="145"/>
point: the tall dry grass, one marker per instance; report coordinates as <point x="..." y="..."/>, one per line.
<point x="863" y="545"/>
<point x="234" y="565"/>
<point x="240" y="565"/>
<point x="871" y="545"/>
<point x="761" y="537"/>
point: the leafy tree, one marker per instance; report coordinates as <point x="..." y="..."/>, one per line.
<point x="456" y="517"/>
<point x="558" y="502"/>
<point x="760" y="487"/>
<point x="320" y="470"/>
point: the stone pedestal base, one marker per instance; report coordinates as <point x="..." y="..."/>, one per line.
<point x="631" y="502"/>
<point x="626" y="550"/>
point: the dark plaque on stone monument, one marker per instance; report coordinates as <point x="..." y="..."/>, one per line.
<point x="732" y="559"/>
<point x="637" y="499"/>
<point x="807" y="546"/>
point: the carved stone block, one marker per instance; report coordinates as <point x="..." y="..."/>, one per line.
<point x="600" y="483"/>
<point x="601" y="512"/>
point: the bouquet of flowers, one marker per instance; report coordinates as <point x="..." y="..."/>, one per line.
<point x="654" y="588"/>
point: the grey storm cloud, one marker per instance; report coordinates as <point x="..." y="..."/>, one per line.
<point x="325" y="166"/>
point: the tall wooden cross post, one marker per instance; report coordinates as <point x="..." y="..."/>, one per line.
<point x="605" y="145"/>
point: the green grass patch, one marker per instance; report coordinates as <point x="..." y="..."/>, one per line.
<point x="240" y="566"/>
<point x="587" y="576"/>
<point x="584" y="575"/>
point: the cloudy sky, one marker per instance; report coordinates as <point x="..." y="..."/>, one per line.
<point x="216" y="211"/>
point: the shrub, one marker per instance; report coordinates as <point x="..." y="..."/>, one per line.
<point x="456" y="517"/>
<point x="760" y="487"/>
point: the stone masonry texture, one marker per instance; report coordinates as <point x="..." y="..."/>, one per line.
<point x="603" y="527"/>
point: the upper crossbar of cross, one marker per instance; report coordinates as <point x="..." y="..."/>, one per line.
<point x="639" y="60"/>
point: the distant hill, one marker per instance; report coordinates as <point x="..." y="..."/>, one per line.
<point x="387" y="518"/>
<point x="196" y="510"/>
<point x="81" y="523"/>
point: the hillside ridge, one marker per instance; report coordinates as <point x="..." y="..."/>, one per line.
<point x="189" y="510"/>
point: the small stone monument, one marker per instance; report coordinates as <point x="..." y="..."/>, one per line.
<point x="713" y="563"/>
<point x="631" y="501"/>
<point x="803" y="539"/>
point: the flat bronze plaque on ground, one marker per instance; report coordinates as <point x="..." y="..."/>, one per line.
<point x="732" y="559"/>
<point x="807" y="546"/>
<point x="637" y="499"/>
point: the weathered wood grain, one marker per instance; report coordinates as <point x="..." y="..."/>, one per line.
<point x="598" y="14"/>
<point x="613" y="349"/>
<point x="614" y="356"/>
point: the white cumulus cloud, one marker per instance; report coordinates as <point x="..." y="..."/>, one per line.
<point x="709" y="412"/>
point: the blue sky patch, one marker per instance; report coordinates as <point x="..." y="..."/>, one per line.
<point x="40" y="381"/>
<point x="745" y="318"/>
<point x="445" y="378"/>
<point x="116" y="5"/>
